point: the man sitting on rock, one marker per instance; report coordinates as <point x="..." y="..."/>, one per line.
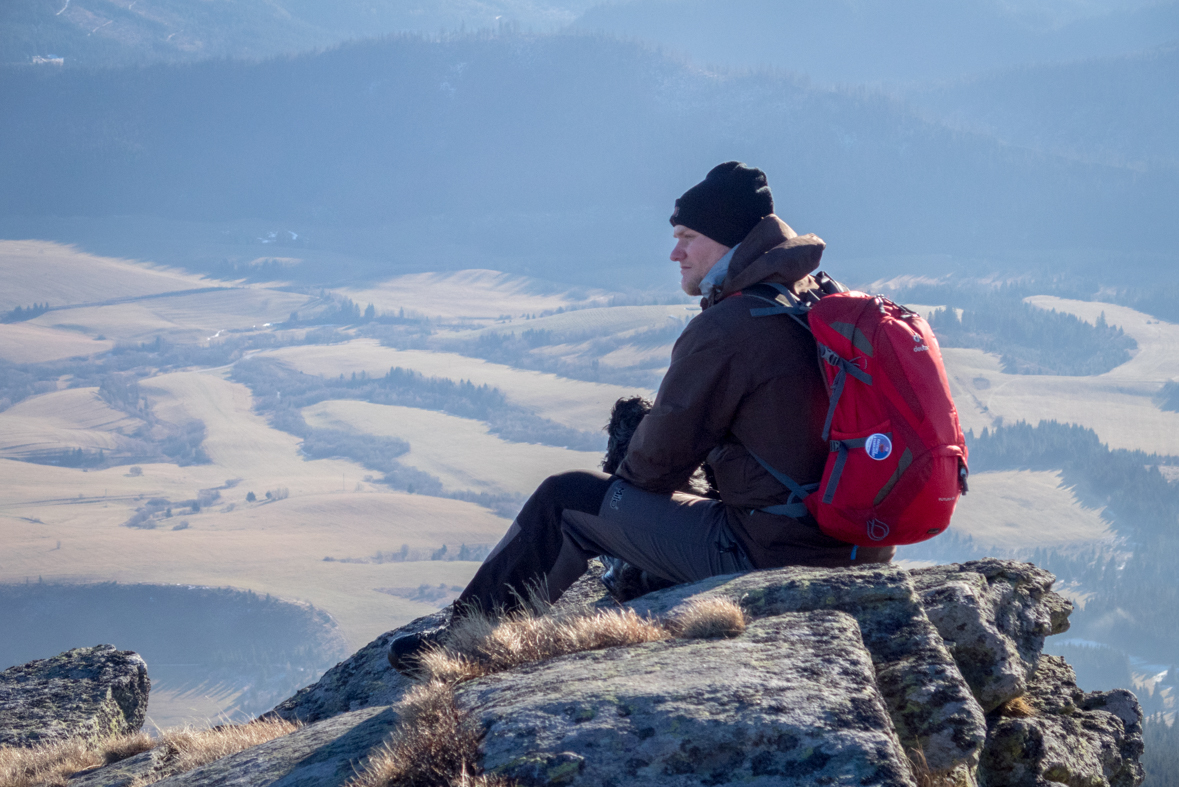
<point x="737" y="386"/>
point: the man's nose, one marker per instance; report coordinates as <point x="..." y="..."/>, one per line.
<point x="677" y="254"/>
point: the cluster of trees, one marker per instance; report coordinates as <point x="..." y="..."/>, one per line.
<point x="1138" y="500"/>
<point x="1030" y="340"/>
<point x="279" y="388"/>
<point x="519" y="350"/>
<point x="68" y="457"/>
<point x="281" y="392"/>
<point x="342" y="312"/>
<point x="1160" y="759"/>
<point x="1169" y="397"/>
<point x="20" y="313"/>
<point x="473" y="552"/>
<point x="151" y="514"/>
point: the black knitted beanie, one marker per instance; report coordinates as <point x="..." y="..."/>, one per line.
<point x="727" y="204"/>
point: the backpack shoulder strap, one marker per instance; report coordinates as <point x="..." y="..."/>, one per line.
<point x="781" y="300"/>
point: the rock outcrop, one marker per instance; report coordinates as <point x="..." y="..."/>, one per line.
<point x="840" y="677"/>
<point x="1072" y="737"/>
<point x="993" y="616"/>
<point x="949" y="647"/>
<point x="82" y="692"/>
<point x="793" y="700"/>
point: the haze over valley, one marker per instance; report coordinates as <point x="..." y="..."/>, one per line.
<point x="301" y="303"/>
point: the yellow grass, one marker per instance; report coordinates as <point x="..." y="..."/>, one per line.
<point x="51" y="765"/>
<point x="23" y="342"/>
<point x="74" y="418"/>
<point x="183" y="750"/>
<point x="35" y="271"/>
<point x="460" y="451"/>
<point x="1022" y="509"/>
<point x="573" y="403"/>
<point x="435" y="745"/>
<point x="1119" y="405"/>
<point x="478" y="295"/>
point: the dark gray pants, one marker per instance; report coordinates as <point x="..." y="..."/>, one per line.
<point x="573" y="517"/>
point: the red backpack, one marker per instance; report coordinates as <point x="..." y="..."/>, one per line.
<point x="898" y="456"/>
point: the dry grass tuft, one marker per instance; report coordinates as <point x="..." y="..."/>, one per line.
<point x="187" y="749"/>
<point x="924" y="777"/>
<point x="479" y="645"/>
<point x="434" y="745"/>
<point x="709" y="618"/>
<point x="437" y="745"/>
<point x="53" y="764"/>
<point x="1016" y="708"/>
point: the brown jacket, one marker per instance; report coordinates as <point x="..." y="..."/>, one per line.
<point x="736" y="380"/>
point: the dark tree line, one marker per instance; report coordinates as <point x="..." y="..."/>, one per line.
<point x="1139" y="502"/>
<point x="278" y="387"/>
<point x="1030" y="340"/>
<point x="1160" y="759"/>
<point x="20" y="313"/>
<point x="1169" y="397"/>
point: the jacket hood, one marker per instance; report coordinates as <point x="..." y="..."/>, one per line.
<point x="771" y="252"/>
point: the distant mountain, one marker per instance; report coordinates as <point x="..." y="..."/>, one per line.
<point x="1122" y="110"/>
<point x="124" y="32"/>
<point x="883" y="41"/>
<point x="548" y="151"/>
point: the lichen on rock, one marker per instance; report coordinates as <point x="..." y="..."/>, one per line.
<point x="85" y="692"/>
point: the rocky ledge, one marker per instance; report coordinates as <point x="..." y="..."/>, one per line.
<point x="846" y="676"/>
<point x="82" y="692"/>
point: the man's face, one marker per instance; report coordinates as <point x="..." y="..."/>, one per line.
<point x="696" y="255"/>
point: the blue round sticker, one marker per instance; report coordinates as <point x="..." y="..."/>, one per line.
<point x="878" y="446"/>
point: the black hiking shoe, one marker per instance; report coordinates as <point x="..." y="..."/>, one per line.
<point x="405" y="652"/>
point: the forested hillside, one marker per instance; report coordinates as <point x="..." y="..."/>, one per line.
<point x="484" y="143"/>
<point x="90" y="33"/>
<point x="887" y="41"/>
<point x="1120" y="110"/>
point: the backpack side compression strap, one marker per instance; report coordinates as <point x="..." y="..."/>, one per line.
<point x="798" y="492"/>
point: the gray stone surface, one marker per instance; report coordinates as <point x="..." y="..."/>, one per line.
<point x="82" y="692"/>
<point x="325" y="754"/>
<point x="124" y="773"/>
<point x="993" y="616"/>
<point x="792" y="701"/>
<point x="1075" y="738"/>
<point x="362" y="681"/>
<point x="366" y="679"/>
<point x="932" y="707"/>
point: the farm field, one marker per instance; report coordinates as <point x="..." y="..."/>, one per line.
<point x="574" y="403"/>
<point x="329" y="542"/>
<point x="475" y="295"/>
<point x="36" y="271"/>
<point x="22" y="342"/>
<point x="275" y="547"/>
<point x="74" y="418"/>
<point x="1022" y="510"/>
<point x="269" y="547"/>
<point x="192" y="318"/>
<point x="1118" y="405"/>
<point x="459" y="451"/>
